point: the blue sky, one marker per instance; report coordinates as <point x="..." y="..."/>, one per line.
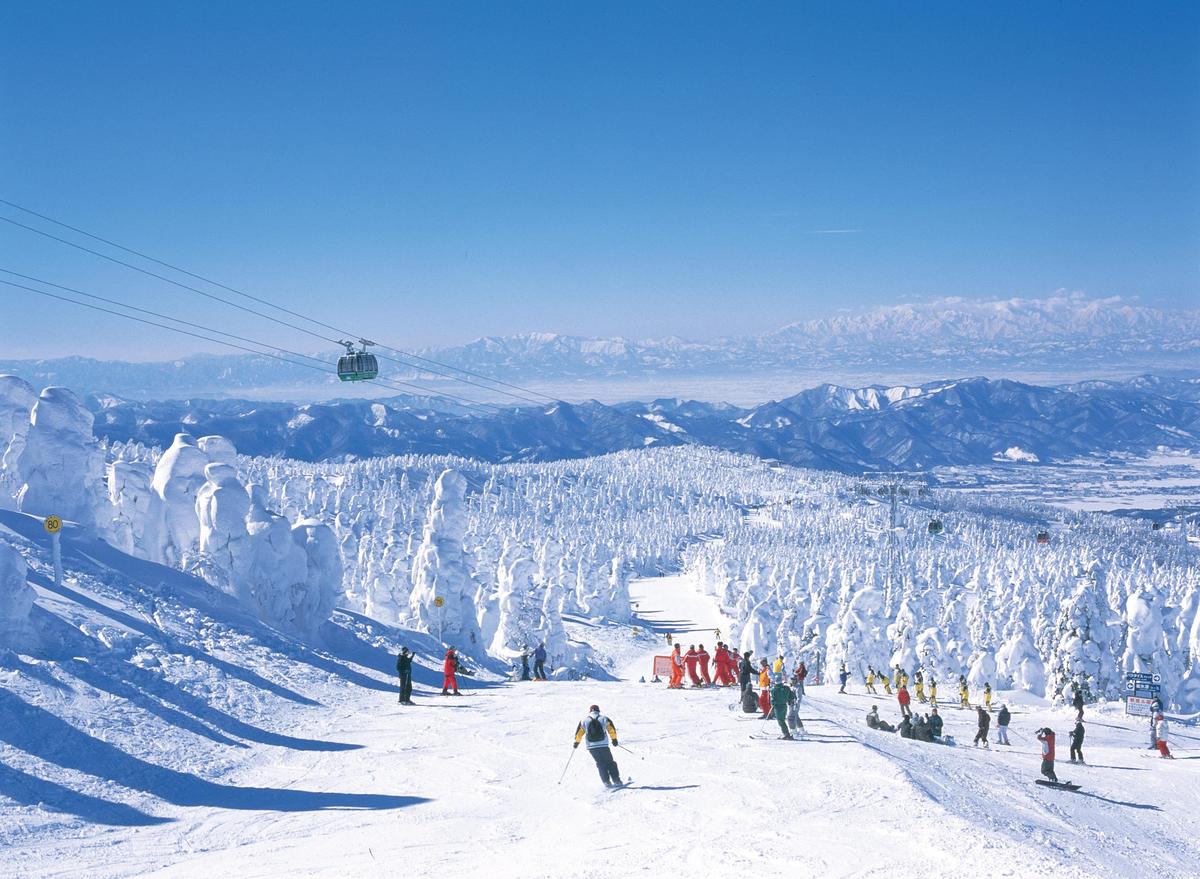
<point x="439" y="171"/>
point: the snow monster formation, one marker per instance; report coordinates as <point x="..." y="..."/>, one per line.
<point x="61" y="462"/>
<point x="440" y="569"/>
<point x="16" y="601"/>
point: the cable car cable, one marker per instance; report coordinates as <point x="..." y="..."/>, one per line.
<point x="390" y="384"/>
<point x="248" y="296"/>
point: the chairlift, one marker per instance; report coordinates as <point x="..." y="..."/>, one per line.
<point x="357" y="365"/>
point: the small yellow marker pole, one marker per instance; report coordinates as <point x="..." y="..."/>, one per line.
<point x="439" y="603"/>
<point x="53" y="526"/>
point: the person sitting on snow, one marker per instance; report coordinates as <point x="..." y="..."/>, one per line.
<point x="935" y="724"/>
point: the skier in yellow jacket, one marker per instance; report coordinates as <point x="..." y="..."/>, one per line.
<point x="598" y="729"/>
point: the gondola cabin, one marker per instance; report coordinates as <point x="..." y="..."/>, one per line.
<point x="935" y="526"/>
<point x="357" y="365"/>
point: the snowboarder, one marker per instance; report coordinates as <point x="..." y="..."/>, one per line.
<point x="676" y="670"/>
<point x="745" y="670"/>
<point x="843" y="676"/>
<point x="874" y="722"/>
<point x="935" y="724"/>
<point x="904" y="699"/>
<point x="598" y="729"/>
<point x="1045" y="735"/>
<point x="985" y="721"/>
<point x="870" y="680"/>
<point x="1160" y="736"/>
<point x="689" y="659"/>
<point x="1077" y="742"/>
<point x="539" y="662"/>
<point x="525" y="663"/>
<point x="1077" y="702"/>
<point x="1002" y="720"/>
<point x="749" y="701"/>
<point x="702" y="661"/>
<point x="782" y="697"/>
<point x="449" y="670"/>
<point x="987" y="696"/>
<point x="404" y="670"/>
<point x="932" y="691"/>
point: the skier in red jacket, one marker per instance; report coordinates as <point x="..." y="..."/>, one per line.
<point x="903" y="698"/>
<point x="676" y="670"/>
<point x="690" y="659"/>
<point x="702" y="661"/>
<point x="720" y="657"/>
<point x="449" y="668"/>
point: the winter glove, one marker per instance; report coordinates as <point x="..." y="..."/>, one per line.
<point x="576" y="745"/>
<point x="616" y="744"/>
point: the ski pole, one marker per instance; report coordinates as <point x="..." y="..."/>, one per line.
<point x="568" y="766"/>
<point x="623" y="748"/>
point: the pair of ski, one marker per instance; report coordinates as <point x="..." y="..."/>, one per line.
<point x="621" y="786"/>
<point x="797" y="738"/>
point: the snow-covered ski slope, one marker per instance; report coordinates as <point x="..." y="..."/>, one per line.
<point x="171" y="734"/>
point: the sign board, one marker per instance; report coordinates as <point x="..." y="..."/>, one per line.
<point x="662" y="666"/>
<point x="1141" y="689"/>
<point x="52" y="524"/>
<point x="439" y="602"/>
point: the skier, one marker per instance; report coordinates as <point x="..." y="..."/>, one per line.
<point x="1160" y="736"/>
<point x="919" y="681"/>
<point x="778" y="669"/>
<point x="887" y="682"/>
<point x="870" y="681"/>
<point x="904" y="699"/>
<point x="404" y="669"/>
<point x="798" y="679"/>
<point x="1077" y="742"/>
<point x="1002" y="720"/>
<point x="843" y="676"/>
<point x="720" y="657"/>
<point x="1045" y="735"/>
<point x="781" y="698"/>
<point x="1077" y="701"/>
<point x="598" y="729"/>
<point x="964" y="692"/>
<point x="1155" y="710"/>
<point x="525" y="663"/>
<point x="932" y="690"/>
<point x="689" y="660"/>
<point x="935" y="724"/>
<point x="539" y="662"/>
<point x="764" y="685"/>
<point x="793" y="714"/>
<point x="745" y="670"/>
<point x="676" y="670"/>
<point x="702" y="661"/>
<point x="987" y="696"/>
<point x="749" y="701"/>
<point x="449" y="668"/>
<point x="985" y="721"/>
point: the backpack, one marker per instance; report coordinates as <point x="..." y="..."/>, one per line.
<point x="595" y="730"/>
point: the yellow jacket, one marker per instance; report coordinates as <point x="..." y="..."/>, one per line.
<point x="778" y="667"/>
<point x="764" y="679"/>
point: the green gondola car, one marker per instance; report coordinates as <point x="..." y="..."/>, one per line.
<point x="357" y="366"/>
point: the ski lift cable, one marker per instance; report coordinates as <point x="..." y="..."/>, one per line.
<point x="391" y="384"/>
<point x="267" y="302"/>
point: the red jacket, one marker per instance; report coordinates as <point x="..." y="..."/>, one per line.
<point x="702" y="656"/>
<point x="1047" y="740"/>
<point x="902" y="696"/>
<point x="451" y="664"/>
<point x="720" y="657"/>
<point x="690" y="657"/>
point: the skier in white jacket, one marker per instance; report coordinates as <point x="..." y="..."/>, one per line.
<point x="1160" y="736"/>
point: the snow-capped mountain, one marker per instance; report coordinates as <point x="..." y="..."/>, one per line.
<point x="960" y="422"/>
<point x="1066" y="336"/>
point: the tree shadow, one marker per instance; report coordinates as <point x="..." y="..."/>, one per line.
<point x="29" y="790"/>
<point x="38" y="732"/>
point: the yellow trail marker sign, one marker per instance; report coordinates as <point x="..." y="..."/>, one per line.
<point x="52" y="524"/>
<point x="439" y="601"/>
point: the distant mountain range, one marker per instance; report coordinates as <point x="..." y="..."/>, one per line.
<point x="961" y="422"/>
<point x="1062" y="336"/>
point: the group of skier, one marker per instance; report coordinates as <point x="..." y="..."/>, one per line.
<point x="725" y="666"/>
